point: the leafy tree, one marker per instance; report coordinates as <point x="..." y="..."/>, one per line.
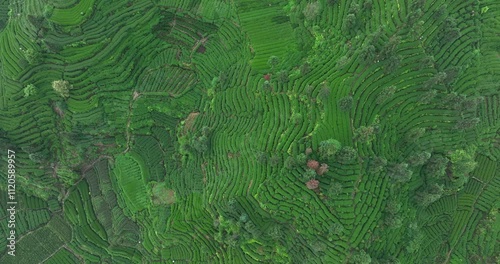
<point x="273" y="61"/>
<point x="470" y="104"/>
<point x="308" y="175"/>
<point x="283" y="76"/>
<point x="431" y="194"/>
<point x="328" y="148"/>
<point x="367" y="5"/>
<point x="465" y="124"/>
<point x="32" y="56"/>
<point x="243" y="217"/>
<point x="345" y="103"/>
<point x="451" y="32"/>
<point x="29" y="90"/>
<point x="290" y="162"/>
<point x="335" y="229"/>
<point x="385" y="94"/>
<point x="392" y="207"/>
<point x="368" y="53"/>
<point x="426" y="62"/>
<point x="308" y="151"/>
<point x="47" y="11"/>
<point x="305" y="68"/>
<point x="399" y="172"/>
<point x="376" y="164"/>
<point x="360" y="257"/>
<point x="350" y="22"/>
<point x="275" y="232"/>
<point x="324" y="93"/>
<point x="312" y="184"/>
<point x="414" y="244"/>
<point x="296" y="118"/>
<point x="451" y="75"/>
<point x="419" y="158"/>
<point x="342" y="61"/>
<point x="312" y="10"/>
<point x="266" y="85"/>
<point x="200" y="144"/>
<point x="435" y="168"/>
<point x="437" y="79"/>
<point x="389" y="49"/>
<point x="335" y="189"/>
<point x="275" y="160"/>
<point x="62" y="87"/>
<point x="453" y="100"/>
<point x="318" y="247"/>
<point x="440" y="12"/>
<point x="364" y="134"/>
<point x="322" y="169"/>
<point x="301" y="158"/>
<point x="392" y="64"/>
<point x="463" y="162"/>
<point x="346" y="154"/>
<point x="261" y="157"/>
<point x="331" y="2"/>
<point x="393" y="221"/>
<point x="414" y="134"/>
<point x="428" y="96"/>
<point x="313" y="164"/>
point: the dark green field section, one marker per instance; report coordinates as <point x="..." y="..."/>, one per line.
<point x="214" y="131"/>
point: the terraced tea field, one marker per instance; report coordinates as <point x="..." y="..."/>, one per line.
<point x="214" y="131"/>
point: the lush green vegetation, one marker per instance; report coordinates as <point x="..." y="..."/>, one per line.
<point x="243" y="131"/>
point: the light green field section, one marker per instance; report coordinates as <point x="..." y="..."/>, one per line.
<point x="269" y="31"/>
<point x="130" y="174"/>
<point x="73" y="15"/>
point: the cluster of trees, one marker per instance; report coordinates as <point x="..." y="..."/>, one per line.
<point x="236" y="227"/>
<point x="445" y="173"/>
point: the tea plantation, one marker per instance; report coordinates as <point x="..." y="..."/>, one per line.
<point x="250" y="131"/>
